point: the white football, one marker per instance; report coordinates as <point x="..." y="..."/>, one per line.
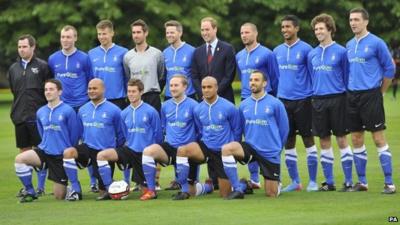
<point x="119" y="190"/>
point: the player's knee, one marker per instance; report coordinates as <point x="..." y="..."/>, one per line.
<point x="19" y="159"/>
<point x="102" y="156"/>
<point x="290" y="142"/>
<point x="342" y="142"/>
<point x="357" y="140"/>
<point x="69" y="153"/>
<point x="226" y="149"/>
<point x="308" y="141"/>
<point x="182" y="151"/>
<point x="149" y="151"/>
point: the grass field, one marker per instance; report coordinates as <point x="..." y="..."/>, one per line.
<point x="290" y="208"/>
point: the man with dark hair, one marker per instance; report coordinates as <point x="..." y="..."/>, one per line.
<point x="26" y="78"/>
<point x="295" y="92"/>
<point x="58" y="127"/>
<point x="329" y="75"/>
<point x="370" y="73"/>
<point x="145" y="63"/>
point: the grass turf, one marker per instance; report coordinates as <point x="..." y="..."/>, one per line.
<point x="290" y="208"/>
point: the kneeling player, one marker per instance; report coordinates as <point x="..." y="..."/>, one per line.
<point x="266" y="128"/>
<point x="141" y="128"/>
<point x="57" y="126"/>
<point x="218" y="122"/>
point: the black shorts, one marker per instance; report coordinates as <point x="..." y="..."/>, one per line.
<point x="269" y="170"/>
<point x="55" y="165"/>
<point x="122" y="103"/>
<point x="329" y="115"/>
<point x="300" y="116"/>
<point x="27" y="135"/>
<point x="365" y="110"/>
<point x="171" y="153"/>
<point x="214" y="161"/>
<point x="88" y="157"/>
<point x="153" y="99"/>
<point x="127" y="158"/>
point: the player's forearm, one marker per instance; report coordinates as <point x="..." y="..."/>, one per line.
<point x="385" y="84"/>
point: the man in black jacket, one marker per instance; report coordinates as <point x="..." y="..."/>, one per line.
<point x="26" y="78"/>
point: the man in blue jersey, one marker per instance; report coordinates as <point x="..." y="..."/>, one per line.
<point x="141" y="128"/>
<point x="107" y="64"/>
<point x="329" y="74"/>
<point x="255" y="57"/>
<point x="266" y="126"/>
<point x="370" y="73"/>
<point x="57" y="125"/>
<point x="72" y="67"/>
<point x="295" y="92"/>
<point x="101" y="122"/>
<point x="26" y="78"/>
<point x="219" y="123"/>
<point x="178" y="57"/>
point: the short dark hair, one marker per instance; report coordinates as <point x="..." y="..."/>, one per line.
<point x="103" y="24"/>
<point x="364" y="12"/>
<point x="327" y="20"/>
<point x="295" y="20"/>
<point x="56" y="82"/>
<point x="174" y="23"/>
<point x="260" y="72"/>
<point x="136" y="82"/>
<point x="31" y="39"/>
<point x="141" y="23"/>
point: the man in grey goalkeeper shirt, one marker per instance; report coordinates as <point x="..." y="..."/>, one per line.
<point x="145" y="63"/>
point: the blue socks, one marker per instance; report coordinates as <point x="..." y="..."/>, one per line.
<point x="71" y="169"/>
<point x="327" y="164"/>
<point x="41" y="176"/>
<point x="93" y="179"/>
<point x="230" y="169"/>
<point x="182" y="172"/>
<point x="149" y="170"/>
<point x="127" y="176"/>
<point x="346" y="157"/>
<point x="24" y="173"/>
<point x="360" y="160"/>
<point x="312" y="163"/>
<point x="385" y="157"/>
<point x="291" y="164"/>
<point x="253" y="169"/>
<point x="105" y="172"/>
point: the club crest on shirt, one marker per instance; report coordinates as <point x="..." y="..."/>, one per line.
<point x="366" y="49"/>
<point x="115" y="58"/>
<point x="333" y="57"/>
<point x="220" y="116"/>
<point x="186" y="114"/>
<point x="184" y="59"/>
<point x="298" y="55"/>
<point x="78" y="65"/>
<point x="60" y="117"/>
<point x="104" y="115"/>
<point x="267" y="110"/>
<point x="144" y="118"/>
<point x="257" y="60"/>
<point x="35" y="70"/>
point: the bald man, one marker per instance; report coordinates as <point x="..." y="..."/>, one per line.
<point x="101" y="123"/>
<point x="219" y="124"/>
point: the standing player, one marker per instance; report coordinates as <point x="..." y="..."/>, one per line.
<point x="255" y="57"/>
<point x="214" y="58"/>
<point x="57" y="125"/>
<point x="145" y="63"/>
<point x="295" y="91"/>
<point x="329" y="74"/>
<point x="26" y="78"/>
<point x="219" y="123"/>
<point x="107" y="64"/>
<point x="72" y="67"/>
<point x="266" y="127"/>
<point x="178" y="124"/>
<point x="178" y="57"/>
<point x="371" y="71"/>
<point x="141" y="127"/>
<point x="101" y="122"/>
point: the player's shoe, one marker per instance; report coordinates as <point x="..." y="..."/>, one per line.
<point x="210" y="182"/>
<point x="347" y="188"/>
<point x="235" y="195"/>
<point x="312" y="186"/>
<point x="148" y="195"/>
<point x="173" y="185"/>
<point x="40" y="192"/>
<point x="20" y="193"/>
<point x="104" y="196"/>
<point x="360" y="187"/>
<point x="158" y="186"/>
<point x="255" y="185"/>
<point x="292" y="187"/>
<point x="181" y="196"/>
<point x="27" y="197"/>
<point x="327" y="187"/>
<point x="94" y="188"/>
<point x="73" y="196"/>
<point x="249" y="187"/>
<point x="389" y="189"/>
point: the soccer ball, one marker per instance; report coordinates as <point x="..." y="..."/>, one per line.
<point x="119" y="190"/>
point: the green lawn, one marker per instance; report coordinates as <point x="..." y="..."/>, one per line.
<point x="290" y="208"/>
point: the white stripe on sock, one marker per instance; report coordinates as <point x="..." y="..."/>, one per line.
<point x="149" y="161"/>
